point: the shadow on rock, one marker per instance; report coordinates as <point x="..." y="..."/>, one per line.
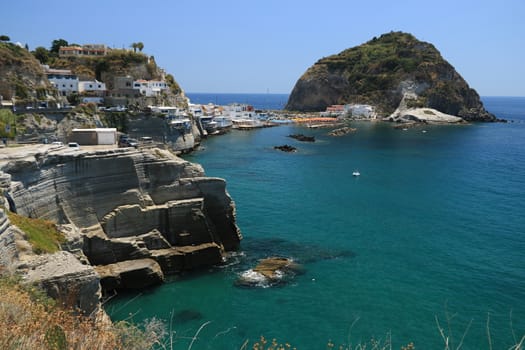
<point x="302" y="253"/>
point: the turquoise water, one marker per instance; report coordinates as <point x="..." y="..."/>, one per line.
<point x="433" y="227"/>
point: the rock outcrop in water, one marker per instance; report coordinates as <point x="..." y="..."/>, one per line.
<point x="381" y="72"/>
<point x="269" y="272"/>
<point x="130" y="216"/>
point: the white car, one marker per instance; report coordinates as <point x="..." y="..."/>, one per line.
<point x="73" y="145"/>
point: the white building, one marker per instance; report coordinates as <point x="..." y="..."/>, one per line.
<point x="84" y="50"/>
<point x="94" y="86"/>
<point x="63" y="80"/>
<point x="150" y="88"/>
<point x="97" y="136"/>
<point x="237" y="110"/>
<point x="359" y="111"/>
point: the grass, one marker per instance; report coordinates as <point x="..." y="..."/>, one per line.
<point x="30" y="320"/>
<point x="41" y="234"/>
<point x="7" y="118"/>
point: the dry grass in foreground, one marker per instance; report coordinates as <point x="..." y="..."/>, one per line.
<point x="31" y="320"/>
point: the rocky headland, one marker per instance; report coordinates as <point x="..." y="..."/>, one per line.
<point x="381" y="73"/>
<point x="130" y="217"/>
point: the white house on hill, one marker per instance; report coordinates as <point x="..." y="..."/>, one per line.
<point x="95" y="86"/>
<point x="150" y="88"/>
<point x="63" y="80"/>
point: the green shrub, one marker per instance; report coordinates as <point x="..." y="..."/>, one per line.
<point x="7" y="118"/>
<point x="41" y="234"/>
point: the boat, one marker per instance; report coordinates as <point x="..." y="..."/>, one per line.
<point x="356" y="173"/>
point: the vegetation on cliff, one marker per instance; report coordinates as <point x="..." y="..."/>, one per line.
<point x="8" y="121"/>
<point x="380" y="71"/>
<point x="21" y="75"/>
<point x="31" y="320"/>
<point x="23" y="78"/>
<point x="117" y="62"/>
<point x="41" y="234"/>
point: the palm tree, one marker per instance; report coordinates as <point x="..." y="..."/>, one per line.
<point x="140" y="46"/>
<point x="134" y="46"/>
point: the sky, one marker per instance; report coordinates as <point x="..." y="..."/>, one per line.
<point x="256" y="46"/>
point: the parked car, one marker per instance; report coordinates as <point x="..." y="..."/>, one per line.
<point x="74" y="145"/>
<point x="127" y="142"/>
<point x="57" y="143"/>
<point x="146" y="139"/>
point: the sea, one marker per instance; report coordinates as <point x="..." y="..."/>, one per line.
<point x="258" y="101"/>
<point x="426" y="246"/>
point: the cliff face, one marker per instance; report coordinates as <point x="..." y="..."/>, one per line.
<point x="380" y="73"/>
<point x="135" y="215"/>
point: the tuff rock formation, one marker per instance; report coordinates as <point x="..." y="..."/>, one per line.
<point x="130" y="217"/>
<point x="380" y="72"/>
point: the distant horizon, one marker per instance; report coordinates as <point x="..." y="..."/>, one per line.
<point x="237" y="93"/>
<point x="288" y="93"/>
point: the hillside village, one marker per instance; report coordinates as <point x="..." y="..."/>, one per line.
<point x="94" y="86"/>
<point x="71" y="74"/>
<point x="57" y="94"/>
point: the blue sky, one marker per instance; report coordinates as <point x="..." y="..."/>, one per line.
<point x="257" y="46"/>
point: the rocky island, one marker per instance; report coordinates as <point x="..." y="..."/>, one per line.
<point x="130" y="217"/>
<point x="396" y="74"/>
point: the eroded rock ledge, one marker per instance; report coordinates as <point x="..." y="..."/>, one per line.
<point x="130" y="216"/>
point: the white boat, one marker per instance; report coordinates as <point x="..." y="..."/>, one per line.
<point x="356" y="173"/>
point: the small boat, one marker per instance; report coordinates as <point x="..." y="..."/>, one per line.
<point x="356" y="173"/>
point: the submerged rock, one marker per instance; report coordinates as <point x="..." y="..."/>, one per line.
<point x="301" y="137"/>
<point x="269" y="272"/>
<point x="255" y="249"/>
<point x="187" y="315"/>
